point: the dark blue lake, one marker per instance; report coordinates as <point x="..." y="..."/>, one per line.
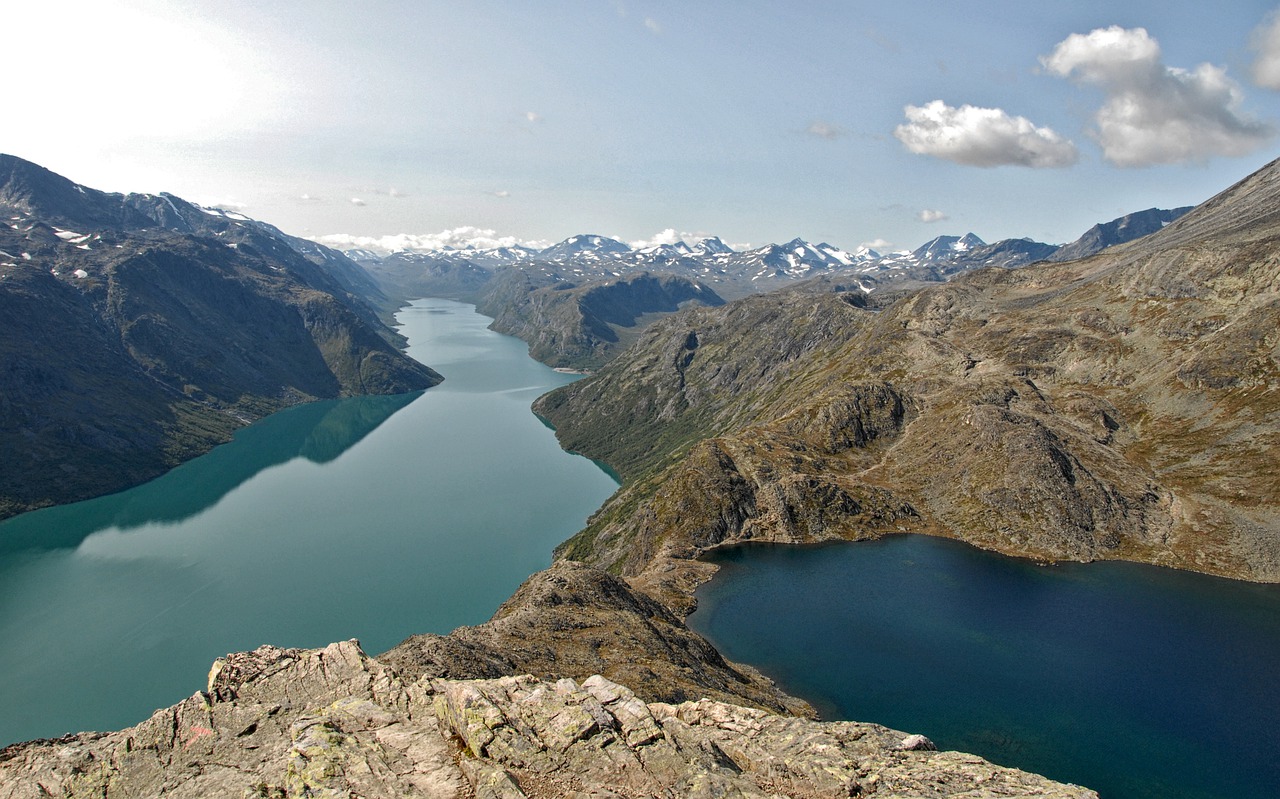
<point x="1136" y="681"/>
<point x="371" y="518"/>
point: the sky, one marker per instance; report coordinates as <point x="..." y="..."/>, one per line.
<point x="425" y="124"/>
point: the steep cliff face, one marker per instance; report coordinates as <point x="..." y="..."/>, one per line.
<point x="1117" y="231"/>
<point x="584" y="326"/>
<point x="1123" y="406"/>
<point x="132" y="344"/>
<point x="701" y="373"/>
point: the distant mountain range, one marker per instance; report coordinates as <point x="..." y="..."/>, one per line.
<point x="547" y="297"/>
<point x="737" y="273"/>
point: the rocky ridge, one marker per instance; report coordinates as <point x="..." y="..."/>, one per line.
<point x="334" y="722"/>
<point x="1120" y="406"/>
<point x="574" y="621"/>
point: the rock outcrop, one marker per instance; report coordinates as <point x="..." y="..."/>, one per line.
<point x="333" y="722"/>
<point x="572" y="621"/>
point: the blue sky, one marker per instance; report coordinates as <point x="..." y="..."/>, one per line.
<point x="848" y="122"/>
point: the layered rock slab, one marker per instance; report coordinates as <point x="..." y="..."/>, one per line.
<point x="335" y="722"/>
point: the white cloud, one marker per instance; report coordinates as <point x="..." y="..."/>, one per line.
<point x="1106" y="55"/>
<point x="503" y="193"/>
<point x="452" y="239"/>
<point x="931" y="215"/>
<point x="669" y="236"/>
<point x="876" y="244"/>
<point x="358" y="201"/>
<point x="533" y="116"/>
<point x="308" y="198"/>
<point x="652" y="25"/>
<point x="1266" y="42"/>
<point x="1155" y="114"/>
<point x="985" y="137"/>
<point x="825" y="130"/>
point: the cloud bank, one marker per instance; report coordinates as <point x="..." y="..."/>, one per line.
<point x="1155" y="114"/>
<point x="452" y="239"/>
<point x="985" y="137"/>
<point x="669" y="236"/>
<point x="1266" y="43"/>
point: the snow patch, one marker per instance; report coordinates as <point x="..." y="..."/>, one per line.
<point x="80" y="273"/>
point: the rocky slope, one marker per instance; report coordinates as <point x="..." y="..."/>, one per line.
<point x="141" y="330"/>
<point x="334" y="722"/>
<point x="1121" y="406"/>
<point x="1117" y="231"/>
<point x="584" y="326"/>
<point x="574" y="621"/>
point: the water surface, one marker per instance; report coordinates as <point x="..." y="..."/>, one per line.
<point x="372" y="518"/>
<point x="1133" y="680"/>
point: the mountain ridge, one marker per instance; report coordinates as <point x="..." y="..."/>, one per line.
<point x="1118" y="406"/>
<point x="134" y="330"/>
<point x="734" y="274"/>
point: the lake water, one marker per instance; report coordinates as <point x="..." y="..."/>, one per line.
<point x="372" y="518"/>
<point x="1136" y="681"/>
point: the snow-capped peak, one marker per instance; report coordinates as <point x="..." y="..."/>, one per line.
<point x="946" y="247"/>
<point x="583" y="245"/>
<point x="711" y="246"/>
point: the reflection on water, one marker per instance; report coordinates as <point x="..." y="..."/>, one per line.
<point x="371" y="518"/>
<point x="317" y="431"/>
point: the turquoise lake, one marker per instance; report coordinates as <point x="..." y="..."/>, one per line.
<point x="372" y="518"/>
<point x="1136" y="681"/>
<point x="380" y="517"/>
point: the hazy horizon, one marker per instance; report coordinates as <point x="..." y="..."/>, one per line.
<point x="652" y="121"/>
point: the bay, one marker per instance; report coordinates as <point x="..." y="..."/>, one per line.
<point x="1137" y="681"/>
<point x="372" y="518"/>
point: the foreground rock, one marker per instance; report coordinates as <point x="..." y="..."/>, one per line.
<point x="334" y="722"/>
